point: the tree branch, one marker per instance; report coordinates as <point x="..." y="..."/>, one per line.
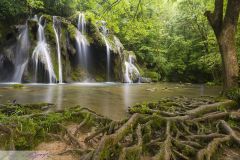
<point x="216" y="18"/>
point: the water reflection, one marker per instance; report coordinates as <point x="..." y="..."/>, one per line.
<point x="126" y="96"/>
<point x="202" y="90"/>
<point x="111" y="100"/>
<point x="59" y="98"/>
<point x="49" y="94"/>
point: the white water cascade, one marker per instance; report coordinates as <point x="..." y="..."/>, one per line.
<point x="131" y="71"/>
<point x="56" y="31"/>
<point x="41" y="53"/>
<point x="104" y="34"/>
<point x="21" y="54"/>
<point x="81" y="23"/>
<point x="108" y="57"/>
<point x="82" y="43"/>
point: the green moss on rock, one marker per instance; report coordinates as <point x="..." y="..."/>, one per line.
<point x="153" y="75"/>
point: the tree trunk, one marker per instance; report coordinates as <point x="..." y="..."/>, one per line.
<point x="227" y="47"/>
<point x="225" y="28"/>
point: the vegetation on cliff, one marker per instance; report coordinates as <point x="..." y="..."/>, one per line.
<point x="172" y="39"/>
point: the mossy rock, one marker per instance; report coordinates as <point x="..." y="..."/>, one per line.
<point x="29" y="132"/>
<point x="153" y="75"/>
<point x="17" y="86"/>
<point x="78" y="74"/>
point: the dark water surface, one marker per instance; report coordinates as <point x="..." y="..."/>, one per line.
<point x="108" y="99"/>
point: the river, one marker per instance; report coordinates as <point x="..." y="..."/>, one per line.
<point x="108" y="99"/>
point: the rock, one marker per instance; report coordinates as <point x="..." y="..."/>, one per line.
<point x="145" y="80"/>
<point x="151" y="89"/>
<point x="72" y="71"/>
<point x="45" y="107"/>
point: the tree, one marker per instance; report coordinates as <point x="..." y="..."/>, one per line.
<point x="35" y="4"/>
<point x="225" y="28"/>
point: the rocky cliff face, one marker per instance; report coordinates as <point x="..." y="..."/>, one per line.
<point x="83" y="56"/>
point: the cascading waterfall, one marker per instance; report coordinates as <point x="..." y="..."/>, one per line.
<point x="21" y="54"/>
<point x="56" y="31"/>
<point x="41" y="53"/>
<point x="82" y="43"/>
<point x="131" y="70"/>
<point x="104" y="34"/>
<point x="108" y="57"/>
<point x="57" y="50"/>
<point x="81" y="23"/>
<point x="82" y="49"/>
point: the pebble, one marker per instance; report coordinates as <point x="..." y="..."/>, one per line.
<point x="151" y="89"/>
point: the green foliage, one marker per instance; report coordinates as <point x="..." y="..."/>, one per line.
<point x="234" y="94"/>
<point x="141" y="108"/>
<point x="35" y="4"/>
<point x="10" y="9"/>
<point x="153" y="75"/>
<point x="30" y="131"/>
<point x="172" y="40"/>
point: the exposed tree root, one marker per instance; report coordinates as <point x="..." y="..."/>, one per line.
<point x="186" y="134"/>
<point x="230" y="131"/>
<point x="110" y="140"/>
<point x="172" y="129"/>
<point x="166" y="151"/>
<point x="81" y="125"/>
<point x="212" y="147"/>
<point x="71" y="137"/>
<point x="135" y="151"/>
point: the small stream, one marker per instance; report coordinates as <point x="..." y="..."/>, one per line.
<point x="108" y="99"/>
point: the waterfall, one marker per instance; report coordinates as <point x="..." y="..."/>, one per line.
<point x="104" y="34"/>
<point x="81" y="23"/>
<point x="108" y="57"/>
<point x="127" y="74"/>
<point x="131" y="71"/>
<point x="41" y="53"/>
<point x="82" y="49"/>
<point x="82" y="43"/>
<point x="56" y="31"/>
<point x="21" y="54"/>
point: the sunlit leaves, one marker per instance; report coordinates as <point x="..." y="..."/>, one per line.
<point x="36" y="4"/>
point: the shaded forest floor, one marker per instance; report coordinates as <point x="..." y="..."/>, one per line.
<point x="172" y="128"/>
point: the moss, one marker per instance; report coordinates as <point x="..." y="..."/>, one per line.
<point x="110" y="151"/>
<point x="133" y="153"/>
<point x="17" y="86"/>
<point x="153" y="75"/>
<point x="140" y="108"/>
<point x="28" y="132"/>
<point x="233" y="123"/>
<point x="49" y="33"/>
<point x="100" y="77"/>
<point x="94" y="36"/>
<point x="72" y="32"/>
<point x="234" y="94"/>
<point x="211" y="84"/>
<point x="78" y="74"/>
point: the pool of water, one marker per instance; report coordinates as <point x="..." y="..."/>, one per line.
<point x="108" y="99"/>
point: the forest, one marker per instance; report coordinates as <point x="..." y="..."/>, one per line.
<point x="120" y="79"/>
<point x="153" y="30"/>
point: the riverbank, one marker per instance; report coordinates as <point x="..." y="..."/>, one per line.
<point x="177" y="127"/>
<point x="108" y="99"/>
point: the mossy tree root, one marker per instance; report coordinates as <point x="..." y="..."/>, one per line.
<point x="193" y="134"/>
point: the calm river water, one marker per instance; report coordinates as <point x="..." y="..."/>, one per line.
<point x="108" y="99"/>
